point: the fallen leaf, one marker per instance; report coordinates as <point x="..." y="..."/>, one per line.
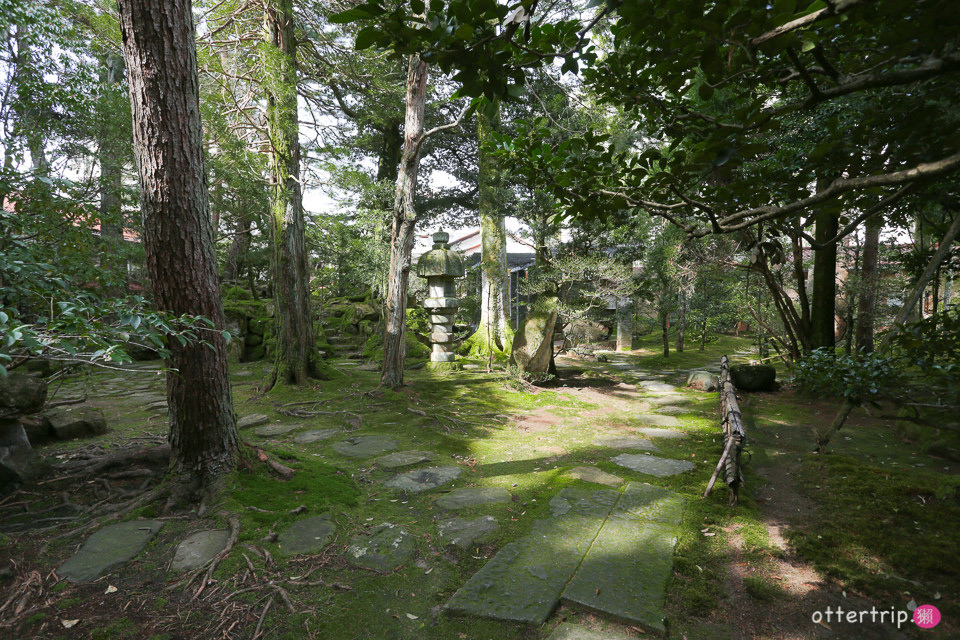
<point x="412" y="617"/>
<point x="824" y="625"/>
<point x="69" y="624"/>
<point x="111" y="589"/>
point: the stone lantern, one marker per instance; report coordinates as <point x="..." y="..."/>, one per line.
<point x="441" y="266"/>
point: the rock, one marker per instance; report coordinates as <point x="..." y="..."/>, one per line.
<point x="108" y="548"/>
<point x="198" y="549"/>
<point x="20" y="395"/>
<point x="77" y="422"/>
<point x="670" y="399"/>
<point x="592" y="474"/>
<point x="533" y="343"/>
<point x="310" y="535"/>
<point x="702" y="380"/>
<point x="652" y="465"/>
<point x="472" y="497"/>
<point x="37" y="428"/>
<point x="420" y="480"/>
<point x="275" y="429"/>
<point x="624" y="442"/>
<point x="462" y="533"/>
<point x="41" y="367"/>
<point x="754" y="377"/>
<point x="653" y="432"/>
<point x="656" y="386"/>
<point x="402" y="459"/>
<point x="253" y="340"/>
<point x="19" y="463"/>
<point x="585" y="332"/>
<point x="385" y="549"/>
<point x="656" y="420"/>
<point x="364" y="446"/>
<point x="254" y="420"/>
<point x="315" y="436"/>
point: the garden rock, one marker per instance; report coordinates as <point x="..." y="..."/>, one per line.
<point x="254" y="420"/>
<point x="624" y="442"/>
<point x="462" y="533"/>
<point x="198" y="549"/>
<point x="76" y="422"/>
<point x="533" y="343"/>
<point x="109" y="548"/>
<point x="402" y="459"/>
<point x="592" y="474"/>
<point x="472" y="497"/>
<point x="364" y="446"/>
<point x="20" y="395"/>
<point x="315" y="436"/>
<point x="652" y="465"/>
<point x="702" y="380"/>
<point x="384" y="550"/>
<point x="276" y="430"/>
<point x="420" y="480"/>
<point x="754" y="377"/>
<point x="310" y="535"/>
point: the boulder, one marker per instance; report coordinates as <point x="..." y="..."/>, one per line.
<point x="19" y="463"/>
<point x="37" y="428"/>
<point x="586" y="332"/>
<point x="77" y="422"/>
<point x="21" y="394"/>
<point x="533" y="344"/>
<point x="754" y="377"/>
<point x="702" y="380"/>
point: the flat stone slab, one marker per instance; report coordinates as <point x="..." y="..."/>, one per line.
<point x="198" y="549"/>
<point x="276" y="429"/>
<point x="315" y="435"/>
<point x="669" y="399"/>
<point x="472" y="497"/>
<point x="310" y="535"/>
<point x="420" y="480"/>
<point x="650" y="385"/>
<point x="656" y="420"/>
<point x="653" y="432"/>
<point x="652" y="465"/>
<point x="402" y="459"/>
<point x="670" y="410"/>
<point x="624" y="442"/>
<point x="365" y="446"/>
<point x="592" y="474"/>
<point x="109" y="548"/>
<point x="568" y="631"/>
<point x="254" y="420"/>
<point x="462" y="533"/>
<point x="385" y="549"/>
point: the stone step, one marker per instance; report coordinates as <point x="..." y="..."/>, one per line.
<point x="112" y="546"/>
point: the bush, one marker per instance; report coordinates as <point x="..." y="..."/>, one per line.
<point x="857" y="379"/>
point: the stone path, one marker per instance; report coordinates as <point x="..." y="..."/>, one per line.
<point x="603" y="550"/>
<point x="109" y="548"/>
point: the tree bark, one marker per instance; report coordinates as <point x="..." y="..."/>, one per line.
<point x="296" y="358"/>
<point x="404" y="223"/>
<point x="867" y="303"/>
<point x="160" y="53"/>
<point x="822" y="331"/>
<point x="665" y="331"/>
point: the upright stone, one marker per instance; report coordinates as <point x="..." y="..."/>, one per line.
<point x="533" y="343"/>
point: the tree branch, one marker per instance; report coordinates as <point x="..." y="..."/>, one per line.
<point x="832" y="9"/>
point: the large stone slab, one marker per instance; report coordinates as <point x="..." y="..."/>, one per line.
<point x="462" y="533"/>
<point x="568" y="631"/>
<point x="654" y="432"/>
<point x="77" y="422"/>
<point x="472" y="497"/>
<point x="315" y="435"/>
<point x="656" y="420"/>
<point x="402" y="459"/>
<point x="365" y="446"/>
<point x="652" y="465"/>
<point x="668" y="399"/>
<point x="523" y="582"/>
<point x="652" y="504"/>
<point x="420" y="480"/>
<point x="624" y="442"/>
<point x="310" y="535"/>
<point x="198" y="549"/>
<point x="255" y="420"/>
<point x="108" y="548"/>
<point x="650" y="385"/>
<point x="385" y="549"/>
<point x="592" y="474"/>
<point x="275" y="430"/>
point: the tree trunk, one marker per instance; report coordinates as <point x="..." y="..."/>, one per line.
<point x="404" y="223"/>
<point x="665" y="331"/>
<point x="624" y="324"/>
<point x="822" y="331"/>
<point x="867" y="303"/>
<point x="681" y="320"/>
<point x="111" y="184"/>
<point x="160" y="52"/>
<point x="238" y="248"/>
<point x="296" y="357"/>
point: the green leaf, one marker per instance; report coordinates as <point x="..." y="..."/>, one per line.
<point x="367" y="37"/>
<point x="464" y="32"/>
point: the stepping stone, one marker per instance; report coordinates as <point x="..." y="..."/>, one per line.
<point x="653" y="432"/>
<point x="592" y="474"/>
<point x="652" y="465"/>
<point x="365" y="446"/>
<point x="420" y="480"/>
<point x="198" y="549"/>
<point x="568" y="631"/>
<point x="657" y="420"/>
<point x="310" y="535"/>
<point x="462" y="533"/>
<point x="109" y="548"/>
<point x="157" y="406"/>
<point x="523" y="582"/>
<point x="624" y="442"/>
<point x="276" y="430"/>
<point x="148" y="398"/>
<point x="254" y="420"/>
<point x="652" y="503"/>
<point x="385" y="549"/>
<point x="315" y="436"/>
<point x="401" y="459"/>
<point x="669" y="399"/>
<point x="569" y="497"/>
<point x="472" y="497"/>
<point x="657" y="386"/>
<point x="670" y="410"/>
<point x="243" y="374"/>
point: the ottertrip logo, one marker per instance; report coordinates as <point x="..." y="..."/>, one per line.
<point x="925" y="616"/>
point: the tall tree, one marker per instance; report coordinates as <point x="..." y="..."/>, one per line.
<point x="296" y="357"/>
<point x="160" y="53"/>
<point x="869" y="276"/>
